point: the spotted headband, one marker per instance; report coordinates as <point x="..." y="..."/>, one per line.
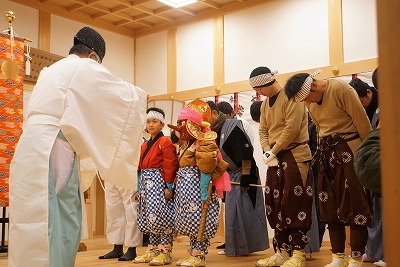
<point x="306" y="87"/>
<point x="156" y="115"/>
<point x="262" y="79"/>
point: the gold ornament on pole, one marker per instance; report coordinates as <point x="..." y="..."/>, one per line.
<point x="10" y="17"/>
<point x="10" y="68"/>
<point x="335" y="71"/>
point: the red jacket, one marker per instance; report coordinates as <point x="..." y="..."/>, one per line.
<point x="161" y="155"/>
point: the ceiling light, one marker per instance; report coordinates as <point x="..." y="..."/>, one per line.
<point x="177" y="3"/>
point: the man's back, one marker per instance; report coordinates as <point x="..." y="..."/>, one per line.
<point x="48" y="96"/>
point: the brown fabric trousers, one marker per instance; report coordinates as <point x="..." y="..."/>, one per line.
<point x="288" y="203"/>
<point x="342" y="199"/>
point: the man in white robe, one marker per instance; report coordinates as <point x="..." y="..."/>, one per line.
<point x="78" y="112"/>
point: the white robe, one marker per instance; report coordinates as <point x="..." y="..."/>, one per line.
<point x="101" y="116"/>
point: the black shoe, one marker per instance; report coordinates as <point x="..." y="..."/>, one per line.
<point x="128" y="256"/>
<point x="221" y="246"/>
<point x="146" y="240"/>
<point x="111" y="255"/>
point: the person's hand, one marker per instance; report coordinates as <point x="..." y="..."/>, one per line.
<point x="208" y="202"/>
<point x="270" y="159"/>
<point x="136" y="197"/>
<point x="168" y="194"/>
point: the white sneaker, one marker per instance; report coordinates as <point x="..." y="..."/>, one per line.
<point x="298" y="259"/>
<point x="222" y="252"/>
<point x="148" y="257"/>
<point x="277" y="259"/>
<point x="338" y="260"/>
<point x="380" y="263"/>
<point x="355" y="263"/>
<point x="180" y="261"/>
<point x="194" y="262"/>
<point x="367" y="258"/>
<point x="161" y="259"/>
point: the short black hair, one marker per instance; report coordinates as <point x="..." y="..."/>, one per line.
<point x="213" y="106"/>
<point x="255" y="110"/>
<point x="375" y="78"/>
<point x="91" y="39"/>
<point x="360" y="86"/>
<point x="225" y="107"/>
<point x="294" y="83"/>
<point x="157" y="110"/>
<point x="80" y="49"/>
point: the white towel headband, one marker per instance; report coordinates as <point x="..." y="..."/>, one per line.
<point x="306" y="87"/>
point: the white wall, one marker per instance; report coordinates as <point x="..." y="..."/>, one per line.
<point x="26" y="23"/>
<point x="119" y="55"/>
<point x="359" y="30"/>
<point x="195" y="55"/>
<point x="286" y="35"/>
<point x="119" y="49"/>
<point x="151" y="63"/>
<point x="195" y="59"/>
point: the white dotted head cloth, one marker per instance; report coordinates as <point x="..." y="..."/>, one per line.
<point x="156" y="115"/>
<point x="262" y="79"/>
<point x="306" y="87"/>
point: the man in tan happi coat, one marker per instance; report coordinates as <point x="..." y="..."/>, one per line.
<point x="288" y="193"/>
<point x="337" y="112"/>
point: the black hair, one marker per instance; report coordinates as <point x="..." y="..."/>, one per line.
<point x="255" y="111"/>
<point x="157" y="110"/>
<point x="360" y="86"/>
<point x="91" y="39"/>
<point x="174" y="138"/>
<point x="80" y="49"/>
<point x="225" y="107"/>
<point x="213" y="106"/>
<point x="375" y="78"/>
<point x="294" y="83"/>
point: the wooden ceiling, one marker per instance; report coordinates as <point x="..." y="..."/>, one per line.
<point x="136" y="18"/>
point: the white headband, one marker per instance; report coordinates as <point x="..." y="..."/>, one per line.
<point x="306" y="87"/>
<point x="156" y="115"/>
<point x="262" y="79"/>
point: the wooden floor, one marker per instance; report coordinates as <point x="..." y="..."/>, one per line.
<point x="98" y="246"/>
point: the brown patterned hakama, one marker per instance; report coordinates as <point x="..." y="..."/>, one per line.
<point x="342" y="199"/>
<point x="288" y="204"/>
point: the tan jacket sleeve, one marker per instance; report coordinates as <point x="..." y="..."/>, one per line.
<point x="263" y="128"/>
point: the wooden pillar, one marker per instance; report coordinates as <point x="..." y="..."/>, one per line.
<point x="44" y="30"/>
<point x="389" y="99"/>
<point x="134" y="60"/>
<point x="100" y="207"/>
<point x="219" y="71"/>
<point x="335" y="32"/>
<point x="172" y="83"/>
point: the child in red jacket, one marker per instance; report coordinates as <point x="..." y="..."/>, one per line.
<point x="157" y="166"/>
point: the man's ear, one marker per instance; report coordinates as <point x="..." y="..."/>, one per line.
<point x="93" y="56"/>
<point x="369" y="93"/>
<point x="314" y="86"/>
